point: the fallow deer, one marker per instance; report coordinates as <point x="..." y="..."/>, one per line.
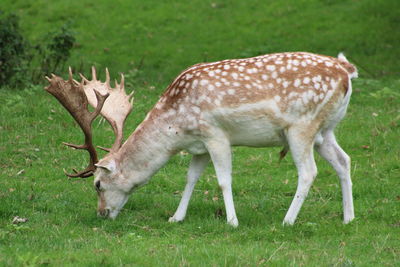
<point x="294" y="100"/>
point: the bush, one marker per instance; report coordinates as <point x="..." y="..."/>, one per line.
<point x="13" y="52"/>
<point x="53" y="52"/>
<point x="22" y="63"/>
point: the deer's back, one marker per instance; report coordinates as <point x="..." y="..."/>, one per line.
<point x="258" y="96"/>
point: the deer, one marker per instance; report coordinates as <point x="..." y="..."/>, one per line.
<point x="293" y="100"/>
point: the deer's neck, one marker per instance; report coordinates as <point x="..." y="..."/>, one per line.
<point x="149" y="147"/>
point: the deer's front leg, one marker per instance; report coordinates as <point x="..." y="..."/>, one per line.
<point x="220" y="152"/>
<point x="301" y="148"/>
<point x="196" y="168"/>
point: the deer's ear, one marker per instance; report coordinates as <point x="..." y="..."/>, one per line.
<point x="107" y="164"/>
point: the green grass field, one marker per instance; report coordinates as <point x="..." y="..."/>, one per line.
<point x="151" y="43"/>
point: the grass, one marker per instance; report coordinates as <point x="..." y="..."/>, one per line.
<point x="164" y="37"/>
<point x="62" y="227"/>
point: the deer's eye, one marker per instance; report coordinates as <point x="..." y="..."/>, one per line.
<point x="97" y="185"/>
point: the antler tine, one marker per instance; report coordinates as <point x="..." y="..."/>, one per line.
<point x="84" y="79"/>
<point x="94" y="78"/>
<point x="131" y="98"/>
<point x="70" y="78"/>
<point x="122" y="84"/>
<point x="100" y="103"/>
<point x="107" y="78"/>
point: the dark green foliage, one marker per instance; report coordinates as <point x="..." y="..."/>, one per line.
<point x="21" y="63"/>
<point x="13" y="54"/>
<point x="53" y="52"/>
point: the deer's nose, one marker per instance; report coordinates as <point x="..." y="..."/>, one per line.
<point x="103" y="212"/>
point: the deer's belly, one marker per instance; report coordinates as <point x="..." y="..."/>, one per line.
<point x="249" y="130"/>
<point x="255" y="133"/>
<point x="255" y="125"/>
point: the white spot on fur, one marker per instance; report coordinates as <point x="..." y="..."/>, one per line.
<point x="285" y="84"/>
<point x="271" y="67"/>
<point x="297" y="83"/>
<point x="182" y="108"/>
<point x="306" y="80"/>
<point x="159" y="105"/>
<point x="203" y="82"/>
<point x="171" y="112"/>
<point x="259" y="64"/>
<point x="333" y="84"/>
<point x="195" y="83"/>
<point x="231" y="91"/>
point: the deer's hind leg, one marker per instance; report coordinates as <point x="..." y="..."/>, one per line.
<point x="330" y="150"/>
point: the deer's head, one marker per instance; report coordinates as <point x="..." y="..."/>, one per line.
<point x="114" y="105"/>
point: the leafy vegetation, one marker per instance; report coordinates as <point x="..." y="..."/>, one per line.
<point x="151" y="42"/>
<point x="13" y="56"/>
<point x="21" y="63"/>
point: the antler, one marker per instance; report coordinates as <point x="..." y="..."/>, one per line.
<point x="117" y="107"/>
<point x="75" y="97"/>
<point x="72" y="96"/>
